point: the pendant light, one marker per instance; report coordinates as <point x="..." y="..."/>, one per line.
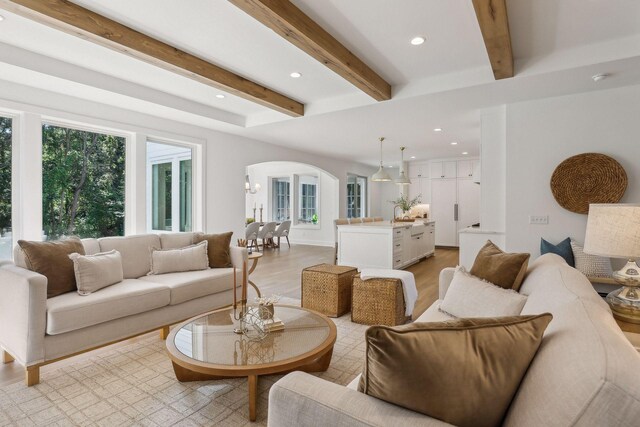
<point x="402" y="178"/>
<point x="381" y="175"/>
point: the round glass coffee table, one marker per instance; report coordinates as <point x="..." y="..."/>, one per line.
<point x="206" y="348"/>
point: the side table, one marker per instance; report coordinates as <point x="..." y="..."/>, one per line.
<point x="254" y="257"/>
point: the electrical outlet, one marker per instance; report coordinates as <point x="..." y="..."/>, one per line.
<point x="539" y="219"/>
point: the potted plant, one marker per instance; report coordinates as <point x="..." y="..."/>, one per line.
<point x="405" y="203"/>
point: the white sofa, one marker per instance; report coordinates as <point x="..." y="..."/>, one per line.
<point x="35" y="330"/>
<point x="586" y="373"/>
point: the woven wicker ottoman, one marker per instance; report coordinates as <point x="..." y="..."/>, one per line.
<point x="326" y="288"/>
<point x="378" y="302"/>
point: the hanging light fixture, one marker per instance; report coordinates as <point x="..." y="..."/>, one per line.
<point x="402" y="177"/>
<point x="247" y="186"/>
<point x="381" y="175"/>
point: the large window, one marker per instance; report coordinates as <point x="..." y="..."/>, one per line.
<point x="170" y="199"/>
<point x="307" y="199"/>
<point x="83" y="183"/>
<point x="356" y="196"/>
<point x="281" y="198"/>
<point x="6" y="239"/>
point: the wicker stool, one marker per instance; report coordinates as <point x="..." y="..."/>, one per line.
<point x="378" y="302"/>
<point x="327" y="288"/>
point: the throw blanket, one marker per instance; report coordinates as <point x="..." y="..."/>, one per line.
<point x="408" y="283"/>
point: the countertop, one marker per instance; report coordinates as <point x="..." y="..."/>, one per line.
<point x="388" y="224"/>
<point x="477" y="230"/>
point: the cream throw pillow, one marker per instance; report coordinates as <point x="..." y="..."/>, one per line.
<point x="469" y="296"/>
<point x="590" y="265"/>
<point x="94" y="272"/>
<point x="189" y="258"/>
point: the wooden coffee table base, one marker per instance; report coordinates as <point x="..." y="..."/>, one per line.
<point x="183" y="374"/>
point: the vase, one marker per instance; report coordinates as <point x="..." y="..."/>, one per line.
<point x="266" y="311"/>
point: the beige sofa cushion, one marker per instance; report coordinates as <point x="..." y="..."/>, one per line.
<point x="190" y="285"/>
<point x="136" y="261"/>
<point x="94" y="272"/>
<point x="189" y="258"/>
<point x="470" y="296"/>
<point x="72" y="311"/>
<point x="91" y="246"/>
<point x="176" y="240"/>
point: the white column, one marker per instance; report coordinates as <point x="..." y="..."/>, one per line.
<point x="493" y="169"/>
<point x="136" y="185"/>
<point x="27" y="178"/>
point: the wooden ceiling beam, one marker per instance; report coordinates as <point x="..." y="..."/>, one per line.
<point x="494" y="24"/>
<point x="84" y="23"/>
<point x="293" y="25"/>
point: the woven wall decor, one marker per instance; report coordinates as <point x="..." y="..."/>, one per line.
<point x="588" y="178"/>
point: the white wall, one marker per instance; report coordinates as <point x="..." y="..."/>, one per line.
<point x="226" y="156"/>
<point x="328" y="204"/>
<point x="541" y="134"/>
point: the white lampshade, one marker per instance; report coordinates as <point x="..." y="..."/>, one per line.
<point x="381" y="176"/>
<point x="613" y="230"/>
<point x="402" y="179"/>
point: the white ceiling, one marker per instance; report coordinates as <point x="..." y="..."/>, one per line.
<point x="444" y="83"/>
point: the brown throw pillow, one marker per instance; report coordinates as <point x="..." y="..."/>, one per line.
<point x="51" y="259"/>
<point x="464" y="372"/>
<point x="218" y="248"/>
<point x="500" y="268"/>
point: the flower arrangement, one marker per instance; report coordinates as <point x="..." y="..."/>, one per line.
<point x="250" y="220"/>
<point x="273" y="299"/>
<point x="404" y="202"/>
<point x="265" y="306"/>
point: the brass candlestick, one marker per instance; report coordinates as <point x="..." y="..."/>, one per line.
<point x="254" y="214"/>
<point x="240" y="315"/>
<point x="260" y="215"/>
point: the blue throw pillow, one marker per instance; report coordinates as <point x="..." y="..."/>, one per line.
<point x="563" y="249"/>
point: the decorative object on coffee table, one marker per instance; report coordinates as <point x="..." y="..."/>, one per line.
<point x="206" y="348"/>
<point x="378" y="302"/>
<point x="588" y="178"/>
<point x="327" y="288"/>
<point x="613" y="230"/>
<point x="267" y="305"/>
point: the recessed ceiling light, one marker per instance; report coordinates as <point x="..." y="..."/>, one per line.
<point x="454" y="143"/>
<point x="464" y="153"/>
<point x="295" y="75"/>
<point x="599" y="77"/>
<point x="437" y="130"/>
<point x="413" y="157"/>
<point x="220" y="96"/>
<point x="417" y="41"/>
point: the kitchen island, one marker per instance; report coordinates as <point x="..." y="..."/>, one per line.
<point x="385" y="244"/>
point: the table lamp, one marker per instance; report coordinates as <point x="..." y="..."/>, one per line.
<point x="613" y="231"/>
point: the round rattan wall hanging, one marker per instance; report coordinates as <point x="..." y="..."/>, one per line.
<point x="588" y="178"/>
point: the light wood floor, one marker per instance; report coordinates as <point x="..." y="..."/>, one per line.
<point x="279" y="273"/>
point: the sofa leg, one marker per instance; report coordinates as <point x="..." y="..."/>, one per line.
<point x="164" y="333"/>
<point x="32" y="375"/>
<point x="6" y="357"/>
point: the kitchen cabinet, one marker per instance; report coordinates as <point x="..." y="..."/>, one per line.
<point x="385" y="245"/>
<point x="466" y="168"/>
<point x="443" y="169"/>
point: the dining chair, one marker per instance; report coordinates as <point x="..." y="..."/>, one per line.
<point x="336" y="223"/>
<point x="251" y="235"/>
<point x="266" y="234"/>
<point x="283" y="231"/>
<point x="357" y="220"/>
<point x="367" y="219"/>
<point x="378" y="219"/>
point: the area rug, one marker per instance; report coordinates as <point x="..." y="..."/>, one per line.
<point x="134" y="384"/>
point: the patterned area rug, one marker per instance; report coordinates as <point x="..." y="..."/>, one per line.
<point x="134" y="384"/>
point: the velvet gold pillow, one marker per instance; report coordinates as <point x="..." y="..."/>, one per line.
<point x="218" y="251"/>
<point x="51" y="259"/>
<point x="464" y="372"/>
<point x="504" y="269"/>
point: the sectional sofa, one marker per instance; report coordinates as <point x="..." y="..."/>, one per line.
<point x="586" y="373"/>
<point x="36" y="331"/>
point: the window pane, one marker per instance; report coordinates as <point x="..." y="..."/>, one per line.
<point x="170" y="201"/>
<point x="280" y="199"/>
<point x="308" y="202"/>
<point x="83" y="183"/>
<point x="6" y="239"/>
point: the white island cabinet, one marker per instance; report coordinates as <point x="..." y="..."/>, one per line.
<point x="384" y="244"/>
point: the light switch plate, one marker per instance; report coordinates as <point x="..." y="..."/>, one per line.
<point x="539" y="219"/>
